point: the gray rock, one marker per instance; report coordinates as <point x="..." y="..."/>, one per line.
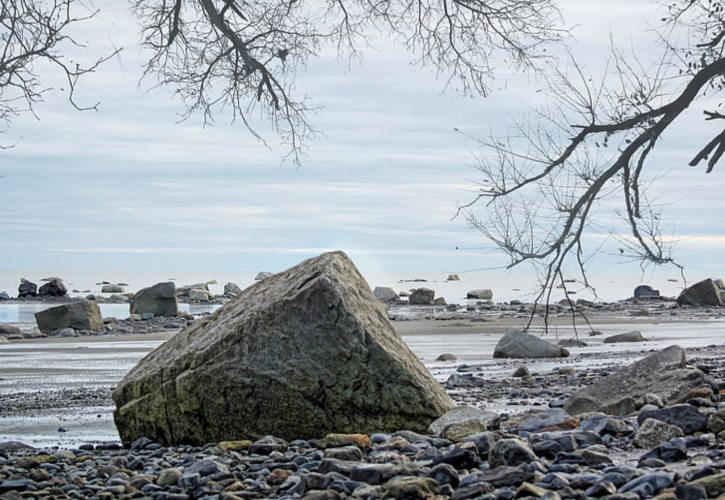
<point x="197" y="295"/>
<point x="7" y="330"/>
<point x="687" y="417"/>
<point x="480" y="294"/>
<point x="300" y="354"/>
<point x="624" y="337"/>
<point x="572" y="343"/>
<point x="160" y="300"/>
<point x="421" y="297"/>
<point x="664" y="373"/>
<point x="547" y="418"/>
<point x="81" y="315"/>
<point x="4" y="296"/>
<point x="27" y="289"/>
<point x="518" y="344"/>
<point x="521" y="372"/>
<point x="511" y="452"/>
<point x="53" y="288"/>
<point x="654" y="432"/>
<point x="703" y="293"/>
<point x="645" y="291"/>
<point x="263" y="275"/>
<point x="112" y="289"/>
<point x="385" y="294"/>
<point x="232" y="289"/>
<point x="169" y="477"/>
<point x="447" y="356"/>
<point x="464" y="421"/>
<point x="453" y="277"/>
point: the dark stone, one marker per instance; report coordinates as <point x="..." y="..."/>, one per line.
<point x="53" y="288"/>
<point x="690" y="492"/>
<point x="685" y="416"/>
<point x="159" y="300"/>
<point x="421" y="297"/>
<point x="645" y="291"/>
<point x="648" y="485"/>
<point x="460" y="458"/>
<point x="603" y="425"/>
<point x="669" y="451"/>
<point x="703" y="293"/>
<point x="473" y="490"/>
<point x="445" y="474"/>
<point x="27" y="289"/>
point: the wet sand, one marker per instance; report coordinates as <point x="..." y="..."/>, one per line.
<point x="55" y="392"/>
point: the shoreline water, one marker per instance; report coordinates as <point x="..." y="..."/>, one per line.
<point x="97" y="363"/>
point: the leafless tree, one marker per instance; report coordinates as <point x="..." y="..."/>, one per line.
<point x="34" y="34"/>
<point x="243" y="56"/>
<point x="589" y="149"/>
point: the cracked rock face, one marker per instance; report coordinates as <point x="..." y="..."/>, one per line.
<point x="300" y="354"/>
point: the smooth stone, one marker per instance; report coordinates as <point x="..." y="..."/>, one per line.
<point x="518" y="344"/>
<point x="552" y="418"/>
<point x="624" y="337"/>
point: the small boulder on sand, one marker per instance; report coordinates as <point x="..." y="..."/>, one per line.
<point x="519" y="344"/>
<point x="81" y="315"/>
<point x="634" y="336"/>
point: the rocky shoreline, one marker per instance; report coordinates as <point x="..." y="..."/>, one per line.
<point x="541" y="452"/>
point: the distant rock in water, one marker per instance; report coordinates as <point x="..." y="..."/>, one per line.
<point x="53" y="288"/>
<point x="4" y="296"/>
<point x="453" y="277"/>
<point x="664" y="374"/>
<point x="81" y="315"/>
<point x="481" y="294"/>
<point x="645" y="292"/>
<point x="110" y="288"/>
<point x="159" y="300"/>
<point x="300" y="354"/>
<point x="703" y="293"/>
<point x="421" y="297"/>
<point x="27" y="289"/>
<point x="519" y="344"/>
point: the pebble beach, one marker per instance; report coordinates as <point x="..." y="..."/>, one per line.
<point x="58" y="438"/>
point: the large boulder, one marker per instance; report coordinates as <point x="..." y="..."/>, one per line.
<point x="703" y="293"/>
<point x="422" y="297"/>
<point x="27" y="289"/>
<point x="519" y="344"/>
<point x="159" y="300"/>
<point x="634" y="336"/>
<point x="53" y="288"/>
<point x="664" y="374"/>
<point x="82" y="315"/>
<point x="299" y="354"/>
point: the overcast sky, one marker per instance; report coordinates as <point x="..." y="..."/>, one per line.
<point x="129" y="188"/>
